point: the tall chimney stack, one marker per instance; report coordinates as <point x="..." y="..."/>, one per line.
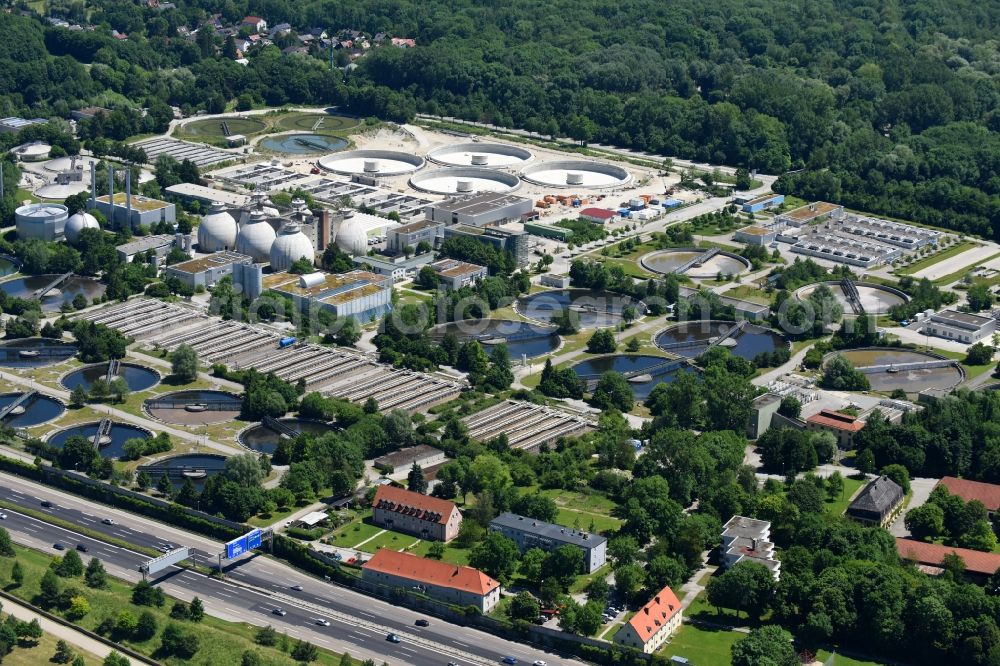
<point x="111" y="195"/>
<point x="93" y="185"/>
<point x="128" y="197"/>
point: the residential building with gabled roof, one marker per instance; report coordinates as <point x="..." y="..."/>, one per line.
<point x="878" y="503"/>
<point x="427" y="517"/>
<point x="453" y="584"/>
<point x="652" y="624"/>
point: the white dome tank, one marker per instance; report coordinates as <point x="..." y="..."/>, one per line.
<point x="77" y="223"/>
<point x="217" y="230"/>
<point x="256" y="237"/>
<point x="352" y="237"/>
<point x="290" y="246"/>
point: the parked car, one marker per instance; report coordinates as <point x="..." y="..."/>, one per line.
<point x="392" y="638"/>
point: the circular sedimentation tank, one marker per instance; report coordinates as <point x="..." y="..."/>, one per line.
<point x="111" y="445"/>
<point x="589" y="309"/>
<point x="138" y="377"/>
<point x="875" y="298"/>
<point x="642" y="372"/>
<point x="195" y="407"/>
<point x="375" y="163"/>
<point x="576" y="173"/>
<point x="194" y="466"/>
<point x="265" y="440"/>
<point x="691" y="339"/>
<point x="488" y="155"/>
<point x="27" y="288"/>
<point x="34" y="352"/>
<point x="669" y="261"/>
<point x="521" y="337"/>
<point x="34" y="411"/>
<point x="892" y="368"/>
<point x="303" y="144"/>
<point x="464" y="180"/>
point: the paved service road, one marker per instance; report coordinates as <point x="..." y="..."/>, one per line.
<point x="255" y="584"/>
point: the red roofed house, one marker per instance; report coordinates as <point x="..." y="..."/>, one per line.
<point x="843" y="426"/>
<point x="420" y="515"/>
<point x="256" y="23"/>
<point x="652" y="624"/>
<point x="987" y="493"/>
<point x="977" y="563"/>
<point x="461" y="586"/>
<point x="403" y="42"/>
<point x="598" y="215"/>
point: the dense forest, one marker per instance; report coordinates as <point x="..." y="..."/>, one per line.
<point x="886" y="107"/>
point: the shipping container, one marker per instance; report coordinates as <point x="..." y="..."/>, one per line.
<point x="285" y="342"/>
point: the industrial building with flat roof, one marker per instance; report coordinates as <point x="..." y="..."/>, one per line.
<point x="190" y="192"/>
<point x="748" y="539"/>
<point x="845" y="249"/>
<point x="960" y="326"/>
<point x="13" y="124"/>
<point x="479" y="210"/>
<point x="400" y="461"/>
<point x="207" y="271"/>
<point x="412" y="234"/>
<point x="759" y="203"/>
<point x="159" y="244"/>
<point x="457" y="585"/>
<point x="514" y="241"/>
<point x="456" y="274"/>
<point x="140" y="211"/>
<point x="358" y="294"/>
<point x="892" y="233"/>
<point x="531" y="533"/>
<point x="398" y="267"/>
<point x="755" y="235"/>
<point x="814" y="212"/>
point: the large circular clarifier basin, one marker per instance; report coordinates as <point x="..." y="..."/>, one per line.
<point x="302" y="144"/>
<point x="35" y="352"/>
<point x="875" y="298"/>
<point x="588" y="309"/>
<point x="464" y="181"/>
<point x="689" y="262"/>
<point x="488" y="155"/>
<point x="522" y="338"/>
<point x="691" y="339"/>
<point x="194" y="466"/>
<point x="137" y="377"/>
<point x="263" y="439"/>
<point x="375" y="163"/>
<point x="888" y="369"/>
<point x="34" y="411"/>
<point x="111" y="445"/>
<point x="67" y="290"/>
<point x="643" y="373"/>
<point x="194" y="407"/>
<point x="576" y="173"/>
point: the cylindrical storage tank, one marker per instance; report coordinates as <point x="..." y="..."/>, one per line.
<point x="217" y="230"/>
<point x="255" y="238"/>
<point x="41" y="220"/>
<point x="463" y="185"/>
<point x="574" y="178"/>
<point x="478" y="159"/>
<point x="290" y="246"/>
<point x="310" y="280"/>
<point x="77" y="223"/>
<point x="371" y="166"/>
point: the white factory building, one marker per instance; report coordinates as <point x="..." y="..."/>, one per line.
<point x="960" y="326"/>
<point x="359" y="294"/>
<point x="41" y="220"/>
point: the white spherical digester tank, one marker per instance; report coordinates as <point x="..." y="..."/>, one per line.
<point x="290" y="246"/>
<point x="77" y="223"/>
<point x="217" y="230"/>
<point x="256" y="237"/>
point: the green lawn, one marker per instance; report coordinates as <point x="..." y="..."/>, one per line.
<point x="703" y="646"/>
<point x="394" y="540"/>
<point x="840" y="505"/>
<point x="452" y="553"/>
<point x="580" y="510"/>
<point x="935" y="258"/>
<point x="353" y="534"/>
<point x="26" y="654"/>
<point x="748" y="292"/>
<point x="219" y="640"/>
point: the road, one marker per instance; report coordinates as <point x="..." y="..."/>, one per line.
<point x="256" y="584"/>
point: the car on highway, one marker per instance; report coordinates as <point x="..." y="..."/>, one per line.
<point x="82" y="547"/>
<point x="392" y="638"/>
<point x="47" y="504"/>
<point x="297" y="588"/>
<point x="508" y="660"/>
<point x="108" y="521"/>
<point x="323" y="622"/>
<point x="538" y="662"/>
<point x="422" y="623"/>
<point x="279" y="611"/>
<point x="3" y="516"/>
<point x="58" y="546"/>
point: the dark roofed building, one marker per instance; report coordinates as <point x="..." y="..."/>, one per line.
<point x="878" y="503"/>
<point x="531" y="533"/>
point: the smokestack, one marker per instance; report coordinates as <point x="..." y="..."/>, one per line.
<point x="1" y="179"/>
<point x="93" y="185"/>
<point x="111" y="195"/>
<point x="128" y="197"/>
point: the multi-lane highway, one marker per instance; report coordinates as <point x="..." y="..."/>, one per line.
<point x="256" y="585"/>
